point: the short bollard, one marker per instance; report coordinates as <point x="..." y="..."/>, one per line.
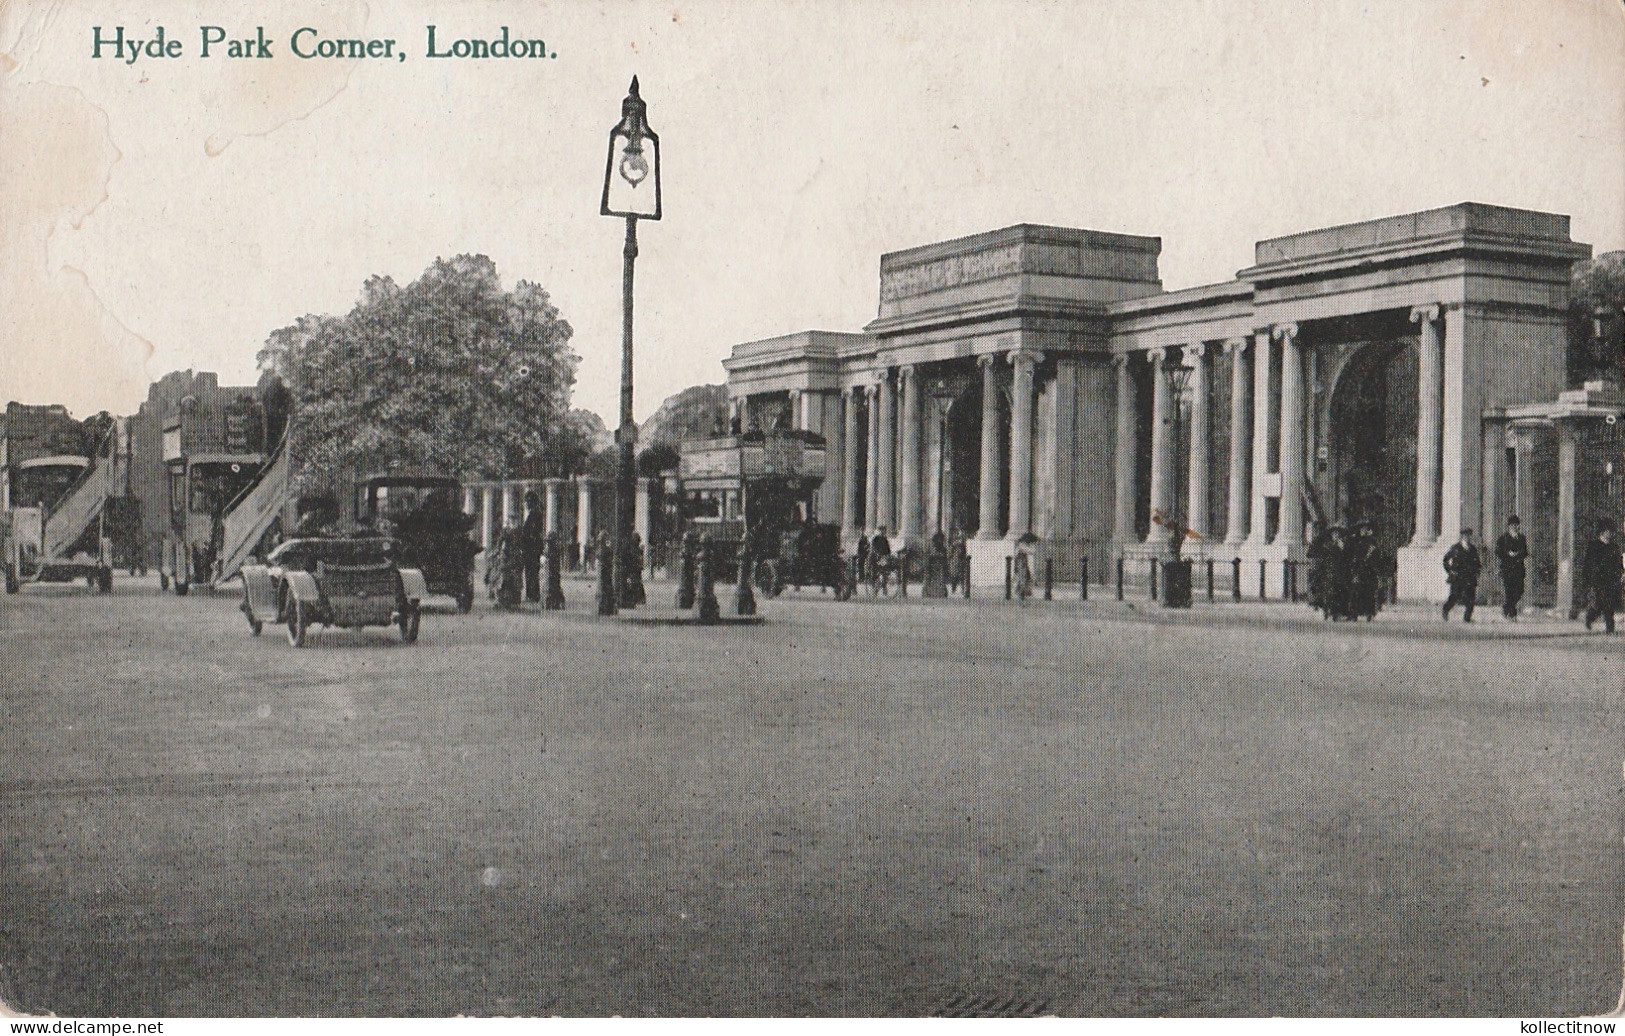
<point x="606" y="588"/>
<point x="1083" y="578"/>
<point x="1289" y="580"/>
<point x="1119" y="578"/>
<point x="1155" y="570"/>
<point x="1049" y="579"/>
<point x="1210" y="580"/>
<point x="710" y="611"/>
<point x="1235" y="579"/>
<point x="551" y="557"/>
<point x="1009" y="577"/>
<point x="744" y="596"/>
<point x="1262" y="578"/>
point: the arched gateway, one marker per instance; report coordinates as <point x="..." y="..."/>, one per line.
<point x="1039" y="380"/>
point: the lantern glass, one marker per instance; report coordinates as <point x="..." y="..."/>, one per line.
<point x="632" y="167"/>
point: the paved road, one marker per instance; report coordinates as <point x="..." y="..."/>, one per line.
<point x="866" y="808"/>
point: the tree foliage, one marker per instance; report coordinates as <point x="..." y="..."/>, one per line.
<point x="1596" y="299"/>
<point x="450" y="373"/>
<point x="694" y="413"/>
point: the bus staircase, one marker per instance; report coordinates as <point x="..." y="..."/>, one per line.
<point x="249" y="516"/>
<point x="68" y="519"/>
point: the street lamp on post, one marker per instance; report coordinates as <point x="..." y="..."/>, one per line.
<point x="1179" y="377"/>
<point x="632" y="192"/>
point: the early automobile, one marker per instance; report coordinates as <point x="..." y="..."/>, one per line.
<point x="431" y="533"/>
<point x="347" y="583"/>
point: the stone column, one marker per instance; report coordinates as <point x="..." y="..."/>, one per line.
<point x="1458" y="429"/>
<point x="1021" y="440"/>
<point x="1196" y="509"/>
<point x="488" y="516"/>
<point x="640" y="513"/>
<point x="736" y="413"/>
<point x="510" y="502"/>
<point x="1240" y="425"/>
<point x="583" y="514"/>
<point x="991" y="474"/>
<point x="1290" y="532"/>
<point x="471" y="500"/>
<point x="871" y="496"/>
<point x="555" y="503"/>
<point x="1570" y="537"/>
<point x="798" y="416"/>
<point x="1429" y="385"/>
<point x="908" y="520"/>
<point x="849" y="466"/>
<point x="1161" y="451"/>
<point x="1124" y="459"/>
<point x="1257" y="516"/>
<point x="886" y="479"/>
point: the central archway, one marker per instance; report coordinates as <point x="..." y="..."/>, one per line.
<point x="1369" y="472"/>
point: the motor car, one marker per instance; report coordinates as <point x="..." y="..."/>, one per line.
<point x="344" y="583"/>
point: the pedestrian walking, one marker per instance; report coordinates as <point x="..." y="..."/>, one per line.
<point x="1512" y="552"/>
<point x="532" y="538"/>
<point x="1461" y="567"/>
<point x="1602" y="572"/>
<point x="1365" y="569"/>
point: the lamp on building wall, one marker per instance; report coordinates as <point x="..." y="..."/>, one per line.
<point x="632" y="192"/>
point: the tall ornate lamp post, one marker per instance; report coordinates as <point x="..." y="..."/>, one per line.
<point x="632" y="192"/>
<point x="1176" y="583"/>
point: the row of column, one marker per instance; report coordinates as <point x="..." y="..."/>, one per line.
<point x="893" y="498"/>
<point x="507" y="500"/>
<point x="1253" y="412"/>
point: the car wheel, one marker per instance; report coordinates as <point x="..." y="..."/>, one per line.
<point x="465" y="599"/>
<point x="298" y="624"/>
<point x="409" y="621"/>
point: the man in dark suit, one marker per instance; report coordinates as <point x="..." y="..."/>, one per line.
<point x="1461" y="566"/>
<point x="1512" y="551"/>
<point x="1602" y="570"/>
<point x="532" y="538"/>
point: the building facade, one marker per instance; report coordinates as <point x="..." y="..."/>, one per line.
<point x="1039" y="380"/>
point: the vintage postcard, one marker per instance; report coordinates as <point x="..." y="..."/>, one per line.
<point x="846" y="509"/>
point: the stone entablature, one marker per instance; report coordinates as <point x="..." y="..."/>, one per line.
<point x="1026" y="268"/>
<point x="806" y="361"/>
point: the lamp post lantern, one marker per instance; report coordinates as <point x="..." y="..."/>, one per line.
<point x="632" y="192"/>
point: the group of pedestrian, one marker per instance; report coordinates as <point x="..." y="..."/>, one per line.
<point x="1348" y="573"/>
<point x="514" y="572"/>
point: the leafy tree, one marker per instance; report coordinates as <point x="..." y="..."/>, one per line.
<point x="1596" y="298"/>
<point x="693" y="413"/>
<point x="450" y="373"/>
<point x="653" y="460"/>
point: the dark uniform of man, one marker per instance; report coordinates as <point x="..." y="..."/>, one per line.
<point x="532" y="538"/>
<point x="1512" y="550"/>
<point x="1603" y="569"/>
<point x="1461" y="566"/>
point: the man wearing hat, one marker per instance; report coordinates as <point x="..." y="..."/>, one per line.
<point x="1461" y="567"/>
<point x="532" y="538"/>
<point x="1512" y="551"/>
<point x="1601" y="573"/>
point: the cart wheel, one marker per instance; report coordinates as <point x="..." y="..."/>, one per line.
<point x="13" y="584"/>
<point x="409" y="621"/>
<point x="104" y="580"/>
<point x="465" y="598"/>
<point x="298" y="624"/>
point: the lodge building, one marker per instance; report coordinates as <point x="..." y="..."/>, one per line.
<point x="1410" y="371"/>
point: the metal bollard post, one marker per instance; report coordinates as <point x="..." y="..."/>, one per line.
<point x="902" y="575"/>
<point x="1235" y="579"/>
<point x="1119" y="577"/>
<point x="1155" y="569"/>
<point x="1049" y="579"/>
<point x="1210" y="580"/>
<point x="1083" y="578"/>
<point x="1008" y="577"/>
<point x="1262" y="579"/>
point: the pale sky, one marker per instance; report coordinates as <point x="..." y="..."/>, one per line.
<point x="171" y="213"/>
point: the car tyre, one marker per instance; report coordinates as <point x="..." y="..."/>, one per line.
<point x="298" y="624"/>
